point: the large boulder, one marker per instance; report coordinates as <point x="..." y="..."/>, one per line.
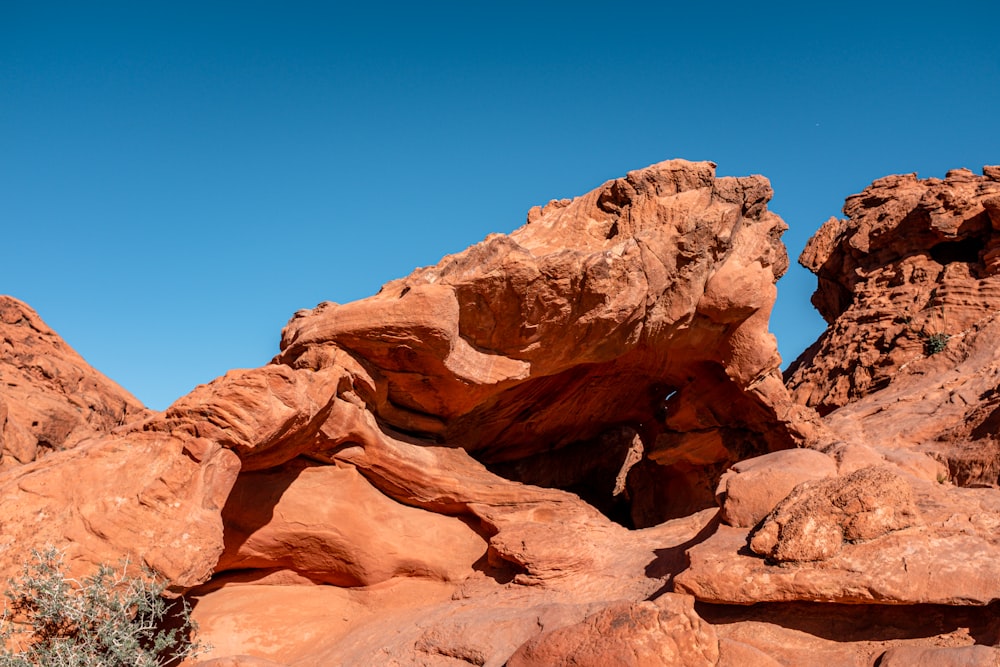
<point x="661" y="633"/>
<point x="751" y="488"/>
<point x="817" y="518"/>
<point x="878" y="535"/>
<point x="644" y="303"/>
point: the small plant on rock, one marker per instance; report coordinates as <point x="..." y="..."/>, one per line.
<point x="934" y="343"/>
<point x="109" y="619"/>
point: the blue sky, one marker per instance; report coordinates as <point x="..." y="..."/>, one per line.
<point x="176" y="179"/>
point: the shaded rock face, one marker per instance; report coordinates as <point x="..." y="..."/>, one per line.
<point x="50" y="398"/>
<point x="910" y="271"/>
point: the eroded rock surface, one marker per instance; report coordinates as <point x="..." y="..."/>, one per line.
<point x="815" y="520"/>
<point x="876" y="535"/>
<point x="517" y="346"/>
<point x="50" y="398"/>
<point x="909" y="273"/>
<point x="909" y="284"/>
<point x="663" y="632"/>
<point x="514" y="456"/>
<point x="631" y="321"/>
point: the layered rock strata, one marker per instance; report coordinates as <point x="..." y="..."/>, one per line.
<point x="909" y="283"/>
<point x="911" y="271"/>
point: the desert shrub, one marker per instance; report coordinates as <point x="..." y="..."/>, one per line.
<point x="934" y="343"/>
<point x="109" y="619"/>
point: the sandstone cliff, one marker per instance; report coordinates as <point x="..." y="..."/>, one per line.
<point x="572" y="445"/>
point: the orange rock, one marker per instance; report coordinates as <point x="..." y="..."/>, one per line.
<point x="958" y="656"/>
<point x="664" y="277"/>
<point x="817" y="517"/>
<point x="50" y="398"/>
<point x="328" y="524"/>
<point x="751" y="488"/>
<point x="661" y="633"/>
<point x="615" y="350"/>
<point x="156" y="500"/>
<point x="910" y="271"/>
<point x="952" y="557"/>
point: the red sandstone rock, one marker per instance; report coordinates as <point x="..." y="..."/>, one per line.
<point x="154" y="499"/>
<point x="665" y="277"/>
<point x="952" y="558"/>
<point x="913" y="268"/>
<point x="738" y="654"/>
<point x="240" y="661"/>
<point x="360" y="499"/>
<point x="50" y="398"/>
<point x="634" y="317"/>
<point x="661" y="633"/>
<point x="328" y="524"/>
<point x="750" y="489"/>
<point x="960" y="656"/>
<point x="821" y="635"/>
<point x="909" y="282"/>
<point x="815" y="520"/>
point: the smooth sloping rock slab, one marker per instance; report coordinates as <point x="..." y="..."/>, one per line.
<point x="329" y="524"/>
<point x="958" y="656"/>
<point x="153" y="498"/>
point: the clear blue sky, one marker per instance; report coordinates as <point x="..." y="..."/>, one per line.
<point x="177" y="178"/>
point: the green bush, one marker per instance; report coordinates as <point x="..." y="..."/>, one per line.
<point x="934" y="343"/>
<point x="108" y="620"/>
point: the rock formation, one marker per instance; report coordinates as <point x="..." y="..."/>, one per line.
<point x="50" y="398"/>
<point x="909" y="282"/>
<point x="914" y="264"/>
<point x="572" y="445"/>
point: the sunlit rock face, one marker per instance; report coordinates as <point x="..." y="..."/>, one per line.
<point x="50" y="398"/>
<point x="451" y="468"/>
<point x="640" y="305"/>
<point x="915" y="263"/>
<point x="910" y="283"/>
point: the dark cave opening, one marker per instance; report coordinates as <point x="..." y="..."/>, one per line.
<point x="595" y="470"/>
<point x="967" y="250"/>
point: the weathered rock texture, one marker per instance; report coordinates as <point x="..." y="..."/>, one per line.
<point x="908" y="413"/>
<point x="518" y="346"/>
<point x="817" y="518"/>
<point x="910" y="284"/>
<point x="936" y="545"/>
<point x="514" y="457"/>
<point x="627" y="634"/>
<point x="911" y="271"/>
<point x="630" y="321"/>
<point x="50" y="398"/>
